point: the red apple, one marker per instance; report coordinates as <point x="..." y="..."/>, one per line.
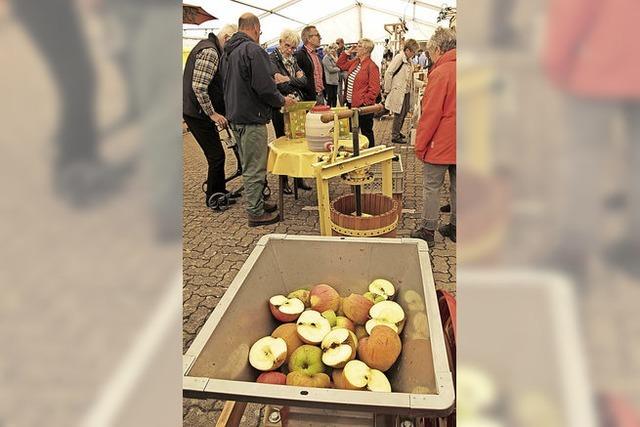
<point x="356" y="308"/>
<point x="272" y="378"/>
<point x="323" y="297"/>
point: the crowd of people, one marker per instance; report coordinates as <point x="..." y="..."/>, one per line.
<point x="230" y="81"/>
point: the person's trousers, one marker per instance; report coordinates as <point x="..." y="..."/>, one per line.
<point x="253" y="150"/>
<point x="433" y="178"/>
<point x="206" y="134"/>
<point x="366" y="126"/>
<point x="277" y="118"/>
<point x="398" y="119"/>
<point x="332" y="94"/>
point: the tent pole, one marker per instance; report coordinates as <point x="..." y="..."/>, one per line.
<point x="360" y="19"/>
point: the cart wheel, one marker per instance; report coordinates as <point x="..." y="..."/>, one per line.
<point x="219" y="201"/>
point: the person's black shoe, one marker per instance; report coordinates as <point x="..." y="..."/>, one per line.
<point x="424" y="234"/>
<point x="449" y="231"/>
<point x="270" y="207"/>
<point x="399" y="141"/>
<point x="446" y="208"/>
<point x="286" y="189"/>
<point x="264" y="219"/>
<point x="299" y="182"/>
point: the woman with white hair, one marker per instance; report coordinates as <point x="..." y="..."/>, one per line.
<point x="226" y="32"/>
<point x="436" y="134"/>
<point x="290" y="80"/>
<point x="331" y="73"/>
<point x="363" y="82"/>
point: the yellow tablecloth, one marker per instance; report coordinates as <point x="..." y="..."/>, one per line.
<point x="293" y="157"/>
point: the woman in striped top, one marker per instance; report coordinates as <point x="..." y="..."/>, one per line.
<point x="363" y="82"/>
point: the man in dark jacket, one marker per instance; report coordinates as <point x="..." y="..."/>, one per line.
<point x="250" y="95"/>
<point x="311" y="65"/>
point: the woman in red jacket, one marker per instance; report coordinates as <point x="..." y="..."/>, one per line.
<point x="363" y="82"/>
<point x="436" y="134"/>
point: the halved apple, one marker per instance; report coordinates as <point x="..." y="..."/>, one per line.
<point x="383" y="288"/>
<point x="340" y="382"/>
<point x="358" y="375"/>
<point x="285" y="309"/>
<point x="302" y="295"/>
<point x="268" y="353"/>
<point x="312" y="327"/>
<point x="388" y="313"/>
<point x="338" y="347"/>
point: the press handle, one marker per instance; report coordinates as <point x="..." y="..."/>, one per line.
<point x="344" y="114"/>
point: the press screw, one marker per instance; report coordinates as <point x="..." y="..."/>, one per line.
<point x="274" y="417"/>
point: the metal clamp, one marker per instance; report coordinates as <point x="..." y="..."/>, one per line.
<point x="358" y="177"/>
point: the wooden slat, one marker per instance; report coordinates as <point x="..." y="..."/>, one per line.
<point x="231" y="414"/>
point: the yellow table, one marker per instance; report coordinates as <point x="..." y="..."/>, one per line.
<point x="292" y="157"/>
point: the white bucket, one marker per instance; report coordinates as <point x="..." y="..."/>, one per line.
<point x="318" y="133"/>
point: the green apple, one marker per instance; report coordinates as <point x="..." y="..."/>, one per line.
<point x="300" y="379"/>
<point x="374" y="298"/>
<point x="307" y="359"/>
<point x="330" y="315"/>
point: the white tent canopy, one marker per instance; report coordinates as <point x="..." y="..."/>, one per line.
<point x="350" y="19"/>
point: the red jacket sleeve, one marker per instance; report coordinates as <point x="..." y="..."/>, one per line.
<point x="568" y="24"/>
<point x="432" y="112"/>
<point x="373" y="86"/>
<point x="344" y="62"/>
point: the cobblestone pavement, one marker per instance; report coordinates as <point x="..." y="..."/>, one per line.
<point x="216" y="244"/>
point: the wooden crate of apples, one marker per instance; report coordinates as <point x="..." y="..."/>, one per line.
<point x="355" y="339"/>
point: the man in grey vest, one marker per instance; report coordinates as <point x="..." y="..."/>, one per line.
<point x="250" y="95"/>
<point x="203" y="109"/>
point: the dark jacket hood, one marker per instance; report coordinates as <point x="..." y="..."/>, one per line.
<point x="237" y="40"/>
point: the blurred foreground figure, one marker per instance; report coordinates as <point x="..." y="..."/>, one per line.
<point x="591" y="55"/>
<point x="79" y="175"/>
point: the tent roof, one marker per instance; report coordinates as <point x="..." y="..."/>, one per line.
<point x="350" y="19"/>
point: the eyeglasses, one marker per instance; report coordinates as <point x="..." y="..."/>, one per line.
<point x="316" y="34"/>
<point x="287" y="45"/>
